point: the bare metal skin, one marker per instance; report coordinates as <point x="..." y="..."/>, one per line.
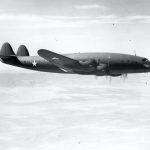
<point x="99" y="64"/>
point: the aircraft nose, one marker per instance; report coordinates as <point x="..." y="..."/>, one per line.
<point x="146" y="63"/>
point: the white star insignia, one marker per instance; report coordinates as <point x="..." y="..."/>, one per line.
<point x="34" y="63"/>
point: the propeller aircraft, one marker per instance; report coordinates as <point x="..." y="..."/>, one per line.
<point x="99" y="64"/>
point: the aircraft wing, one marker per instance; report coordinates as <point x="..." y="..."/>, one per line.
<point x="63" y="62"/>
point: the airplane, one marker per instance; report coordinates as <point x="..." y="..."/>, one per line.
<point x="99" y="64"/>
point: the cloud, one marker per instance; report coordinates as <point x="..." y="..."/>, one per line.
<point x="114" y="18"/>
<point x="94" y="6"/>
<point x="35" y="22"/>
<point x="110" y="19"/>
<point x="29" y="17"/>
<point x="28" y="21"/>
<point x="139" y="19"/>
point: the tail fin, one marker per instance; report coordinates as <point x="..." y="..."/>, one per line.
<point x="7" y="54"/>
<point x="6" y="50"/>
<point x="22" y="51"/>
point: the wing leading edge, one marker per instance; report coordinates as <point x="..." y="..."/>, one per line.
<point x="63" y="62"/>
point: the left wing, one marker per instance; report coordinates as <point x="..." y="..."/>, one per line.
<point x="63" y="62"/>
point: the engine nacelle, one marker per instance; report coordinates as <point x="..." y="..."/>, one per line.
<point x="115" y="75"/>
<point x="101" y="70"/>
<point x="101" y="67"/>
<point x="87" y="62"/>
<point x="22" y="51"/>
<point x="6" y="50"/>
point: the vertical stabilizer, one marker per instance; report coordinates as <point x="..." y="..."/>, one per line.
<point x="6" y="50"/>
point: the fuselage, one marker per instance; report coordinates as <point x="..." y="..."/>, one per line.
<point x="116" y="63"/>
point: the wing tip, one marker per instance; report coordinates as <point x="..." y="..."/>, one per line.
<point x="42" y="51"/>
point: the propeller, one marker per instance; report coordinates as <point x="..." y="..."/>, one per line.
<point x="96" y="77"/>
<point x="124" y="76"/>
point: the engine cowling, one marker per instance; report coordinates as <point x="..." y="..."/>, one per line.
<point x="101" y="67"/>
<point x="22" y="51"/>
<point x="101" y="70"/>
<point x="87" y="62"/>
<point x="115" y="75"/>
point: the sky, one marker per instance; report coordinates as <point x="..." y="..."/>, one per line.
<point x="70" y="26"/>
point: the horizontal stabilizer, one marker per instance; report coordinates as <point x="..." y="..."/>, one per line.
<point x="62" y="61"/>
<point x="3" y="56"/>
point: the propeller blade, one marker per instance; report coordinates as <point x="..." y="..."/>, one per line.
<point x="124" y="76"/>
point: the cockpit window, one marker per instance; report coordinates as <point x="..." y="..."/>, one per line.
<point x="144" y="59"/>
